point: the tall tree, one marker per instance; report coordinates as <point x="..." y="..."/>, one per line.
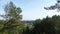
<point x="12" y="16"/>
<point x="11" y="11"/>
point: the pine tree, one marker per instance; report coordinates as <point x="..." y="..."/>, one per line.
<point x="13" y="18"/>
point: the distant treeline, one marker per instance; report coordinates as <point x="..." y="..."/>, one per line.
<point x="29" y="22"/>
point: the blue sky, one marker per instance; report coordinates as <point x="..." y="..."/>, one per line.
<point x="32" y="9"/>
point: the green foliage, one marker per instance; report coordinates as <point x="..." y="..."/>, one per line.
<point x="11" y="11"/>
<point x="46" y="26"/>
<point x="13" y="18"/>
<point x="26" y="31"/>
<point x="12" y="23"/>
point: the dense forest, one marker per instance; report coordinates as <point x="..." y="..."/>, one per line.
<point x="12" y="23"/>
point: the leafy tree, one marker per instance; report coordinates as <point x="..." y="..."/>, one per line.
<point x="11" y="11"/>
<point x="45" y="26"/>
<point x="49" y="25"/>
<point x="26" y="31"/>
<point x="56" y="20"/>
<point x="37" y="27"/>
<point x="13" y="18"/>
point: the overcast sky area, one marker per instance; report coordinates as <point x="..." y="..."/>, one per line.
<point x="32" y="9"/>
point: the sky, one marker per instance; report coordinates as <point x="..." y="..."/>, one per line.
<point x="32" y="9"/>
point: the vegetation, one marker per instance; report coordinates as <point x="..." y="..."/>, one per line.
<point x="13" y="24"/>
